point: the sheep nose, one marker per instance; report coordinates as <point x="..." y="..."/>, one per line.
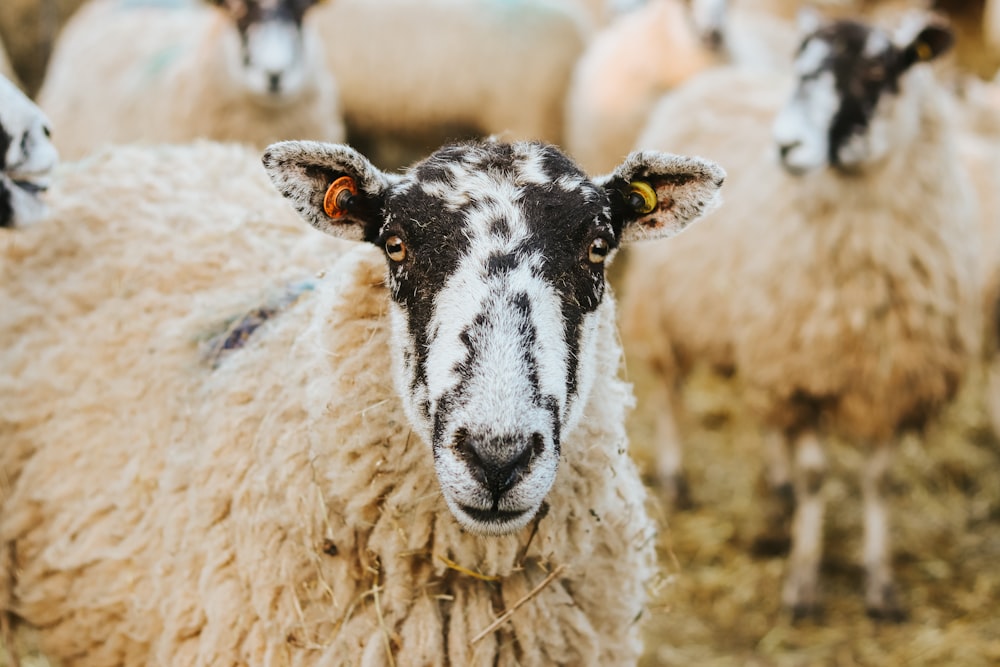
<point x="274" y="81"/>
<point x="713" y="39"/>
<point x="785" y="149"/>
<point x="497" y="463"/>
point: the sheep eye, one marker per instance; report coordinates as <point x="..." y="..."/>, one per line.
<point x="598" y="252"/>
<point x="395" y="248"/>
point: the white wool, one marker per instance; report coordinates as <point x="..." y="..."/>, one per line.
<point x="418" y="67"/>
<point x="268" y="504"/>
<point x="164" y="72"/>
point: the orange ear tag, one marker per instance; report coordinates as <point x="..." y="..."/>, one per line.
<point x="338" y="196"/>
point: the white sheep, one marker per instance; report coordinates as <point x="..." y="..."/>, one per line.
<point x="650" y="50"/>
<point x="187" y="487"/>
<point x="27" y="157"/>
<point x="154" y="71"/>
<point x="843" y="288"/>
<point x="412" y="68"/>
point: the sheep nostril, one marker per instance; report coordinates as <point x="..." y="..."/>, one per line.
<point x="785" y="149"/>
<point x="496" y="466"/>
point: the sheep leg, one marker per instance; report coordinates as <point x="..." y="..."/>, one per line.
<point x="669" y="454"/>
<point x="780" y="501"/>
<point x="800" y="592"/>
<point x="880" y="595"/>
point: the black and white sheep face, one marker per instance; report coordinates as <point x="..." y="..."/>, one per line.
<point x="27" y="157"/>
<point x="848" y="109"/>
<point x="270" y="56"/>
<point x="496" y="256"/>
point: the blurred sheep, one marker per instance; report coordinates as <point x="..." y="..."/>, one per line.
<point x="843" y="286"/>
<point x="154" y="71"/>
<point x="277" y="468"/>
<point x="27" y="157"/>
<point x="423" y="71"/>
<point x="650" y="50"/>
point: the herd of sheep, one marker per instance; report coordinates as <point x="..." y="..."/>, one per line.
<point x="396" y="435"/>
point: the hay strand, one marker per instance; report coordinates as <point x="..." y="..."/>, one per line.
<point x="504" y="617"/>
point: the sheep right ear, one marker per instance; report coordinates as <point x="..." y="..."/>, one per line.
<point x="332" y="186"/>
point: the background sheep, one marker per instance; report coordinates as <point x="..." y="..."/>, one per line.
<point x="851" y="306"/>
<point x="277" y="501"/>
<point x="248" y="71"/>
<point x="26" y="157"/>
<point x="646" y="52"/>
<point x="420" y="71"/>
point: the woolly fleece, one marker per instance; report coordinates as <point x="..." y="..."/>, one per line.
<point x="172" y="85"/>
<point x="856" y="297"/>
<point x="412" y="68"/>
<point x="275" y="510"/>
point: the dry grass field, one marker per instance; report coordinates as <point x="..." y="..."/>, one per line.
<point x="720" y="601"/>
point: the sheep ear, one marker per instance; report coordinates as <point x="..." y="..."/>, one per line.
<point x="657" y="195"/>
<point x="922" y="37"/>
<point x="332" y="186"/>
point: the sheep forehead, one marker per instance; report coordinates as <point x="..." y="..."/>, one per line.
<point x="481" y="189"/>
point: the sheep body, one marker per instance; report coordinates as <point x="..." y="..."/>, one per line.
<point x="159" y="73"/>
<point x="277" y="509"/>
<point x="493" y="67"/>
<point x="848" y="303"/>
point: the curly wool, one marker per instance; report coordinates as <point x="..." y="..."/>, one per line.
<point x="276" y="509"/>
<point x="172" y="85"/>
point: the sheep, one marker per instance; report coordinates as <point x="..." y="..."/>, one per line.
<point x="649" y="51"/>
<point x="27" y="157"/>
<point x="847" y="296"/>
<point x="187" y="485"/>
<point x="445" y="68"/>
<point x="244" y="70"/>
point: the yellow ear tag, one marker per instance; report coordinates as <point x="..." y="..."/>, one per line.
<point x="338" y="196"/>
<point x="641" y="197"/>
<point x="924" y="51"/>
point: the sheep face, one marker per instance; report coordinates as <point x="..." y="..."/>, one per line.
<point x="496" y="256"/>
<point x="849" y="108"/>
<point x="269" y="57"/>
<point x="27" y="156"/>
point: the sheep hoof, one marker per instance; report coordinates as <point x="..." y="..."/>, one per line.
<point x="884" y="607"/>
<point x="677" y="491"/>
<point x="806" y="611"/>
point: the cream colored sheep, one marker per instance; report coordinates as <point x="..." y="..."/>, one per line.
<point x="651" y="50"/>
<point x="186" y="489"/>
<point x="127" y="71"/>
<point x="410" y="68"/>
<point x="848" y="298"/>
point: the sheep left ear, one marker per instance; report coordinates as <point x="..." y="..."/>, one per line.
<point x="333" y="187"/>
<point x="657" y="195"/>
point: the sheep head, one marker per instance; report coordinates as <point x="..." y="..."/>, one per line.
<point x="496" y="257"/>
<point x="270" y="56"/>
<point x="850" y="107"/>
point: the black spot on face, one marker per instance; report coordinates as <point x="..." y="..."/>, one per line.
<point x="561" y="226"/>
<point x="6" y="194"/>
<point x="860" y="79"/>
